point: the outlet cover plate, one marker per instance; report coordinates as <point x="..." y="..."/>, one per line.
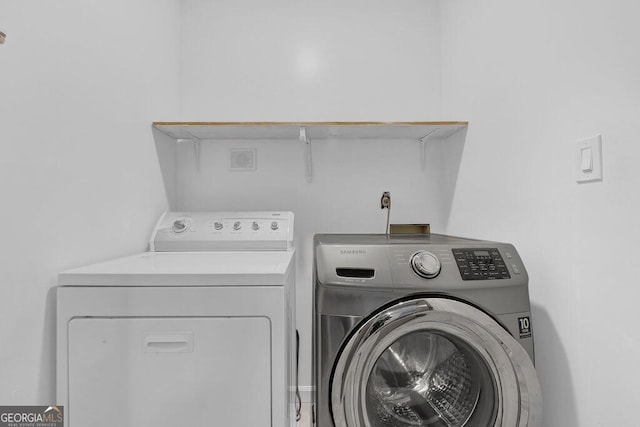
<point x="243" y="159"/>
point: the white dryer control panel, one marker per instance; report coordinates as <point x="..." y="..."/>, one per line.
<point x="228" y="231"/>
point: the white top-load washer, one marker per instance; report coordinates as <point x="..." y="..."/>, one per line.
<point x="197" y="331"/>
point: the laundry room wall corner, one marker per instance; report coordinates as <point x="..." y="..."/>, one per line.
<point x="166" y="151"/>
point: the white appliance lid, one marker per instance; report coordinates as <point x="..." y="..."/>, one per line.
<point x="241" y="268"/>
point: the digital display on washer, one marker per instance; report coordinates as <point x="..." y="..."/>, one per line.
<point x="480" y="264"/>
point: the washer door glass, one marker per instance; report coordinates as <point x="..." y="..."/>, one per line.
<point x="433" y="362"/>
<point x="428" y="378"/>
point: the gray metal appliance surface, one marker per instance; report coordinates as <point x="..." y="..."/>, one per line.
<point x="422" y="331"/>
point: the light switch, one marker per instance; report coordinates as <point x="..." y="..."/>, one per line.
<point x="589" y="159"/>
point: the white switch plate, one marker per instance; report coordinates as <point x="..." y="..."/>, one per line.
<point x="595" y="174"/>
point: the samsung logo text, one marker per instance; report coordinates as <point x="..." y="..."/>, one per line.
<point x="352" y="252"/>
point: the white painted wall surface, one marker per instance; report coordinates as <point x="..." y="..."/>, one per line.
<point x="532" y="78"/>
<point x="288" y="60"/>
<point x="80" y="84"/>
<point x="292" y="60"/>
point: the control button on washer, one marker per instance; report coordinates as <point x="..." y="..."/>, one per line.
<point x="515" y="269"/>
<point x="237" y="225"/>
<point x="274" y="225"/>
<point x="217" y="225"/>
<point x="425" y="264"/>
<point x="255" y="226"/>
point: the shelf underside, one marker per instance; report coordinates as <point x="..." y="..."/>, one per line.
<point x="314" y="130"/>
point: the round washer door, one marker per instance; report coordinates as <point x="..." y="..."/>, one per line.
<point x="433" y="362"/>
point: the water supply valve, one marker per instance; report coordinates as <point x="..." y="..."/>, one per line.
<point x="385" y="203"/>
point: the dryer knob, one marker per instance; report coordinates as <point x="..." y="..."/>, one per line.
<point x="425" y="264"/>
<point x="179" y="226"/>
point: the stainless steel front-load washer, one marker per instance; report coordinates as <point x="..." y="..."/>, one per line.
<point x="422" y="331"/>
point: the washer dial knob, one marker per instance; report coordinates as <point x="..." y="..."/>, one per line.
<point x="179" y="226"/>
<point x="237" y="225"/>
<point x="425" y="264"/>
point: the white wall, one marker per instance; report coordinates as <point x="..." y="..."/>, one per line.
<point x="291" y="60"/>
<point x="532" y="78"/>
<point x="80" y="84"/>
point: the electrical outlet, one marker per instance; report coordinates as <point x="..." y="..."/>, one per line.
<point x="243" y="159"/>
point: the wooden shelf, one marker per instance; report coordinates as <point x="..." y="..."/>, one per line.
<point x="314" y="130"/>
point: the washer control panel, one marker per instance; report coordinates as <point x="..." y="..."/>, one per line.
<point x="480" y="264"/>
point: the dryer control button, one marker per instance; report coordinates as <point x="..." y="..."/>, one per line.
<point x="425" y="264"/>
<point x="179" y="226"/>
